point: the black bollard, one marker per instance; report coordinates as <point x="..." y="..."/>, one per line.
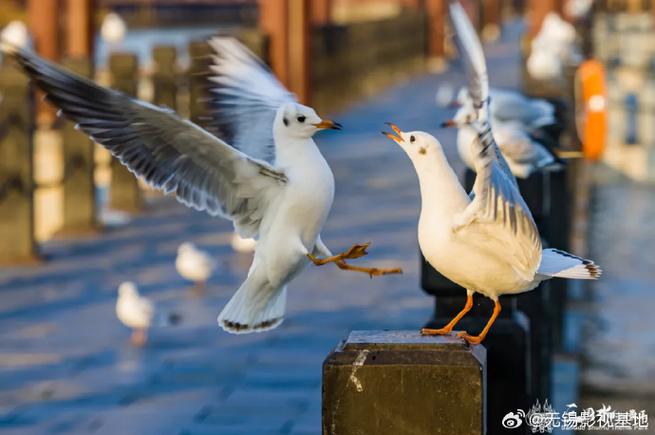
<point x="397" y="382"/>
<point x="79" y="166"/>
<point x="125" y="193"/>
<point x="16" y="167"/>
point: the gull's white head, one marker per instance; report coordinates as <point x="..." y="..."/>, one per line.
<point x="185" y="248"/>
<point x="417" y="144"/>
<point x="127" y="289"/>
<point x="294" y="120"/>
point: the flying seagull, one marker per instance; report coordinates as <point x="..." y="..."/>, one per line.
<point x="487" y="241"/>
<point x="266" y="174"/>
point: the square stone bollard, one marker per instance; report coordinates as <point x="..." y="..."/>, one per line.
<point x="398" y="382"/>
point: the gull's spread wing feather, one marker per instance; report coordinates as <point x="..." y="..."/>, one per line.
<point x="497" y="209"/>
<point x="169" y="153"/>
<point x="245" y="96"/>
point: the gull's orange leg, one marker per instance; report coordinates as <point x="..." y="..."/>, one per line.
<point x="449" y="327"/>
<point x="372" y="271"/>
<point x="477" y="339"/>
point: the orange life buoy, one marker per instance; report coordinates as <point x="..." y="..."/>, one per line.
<point x="591" y="108"/>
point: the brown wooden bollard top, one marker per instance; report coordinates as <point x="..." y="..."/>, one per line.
<point x="398" y="382"/>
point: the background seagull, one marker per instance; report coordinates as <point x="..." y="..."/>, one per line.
<point x="194" y="264"/>
<point x="272" y="182"/>
<point x="523" y="153"/>
<point x="139" y="313"/>
<point x="512" y="106"/>
<point x="487" y="241"/>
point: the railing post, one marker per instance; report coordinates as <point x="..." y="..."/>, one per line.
<point x="165" y="76"/>
<point x="124" y="190"/>
<point x="199" y="52"/>
<point x="397" y="382"/>
<point x="436" y="13"/>
<point x="16" y="167"/>
<point x="79" y="166"/>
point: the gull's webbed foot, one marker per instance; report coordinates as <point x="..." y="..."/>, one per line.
<point x="441" y="331"/>
<point x="356" y="251"/>
<point x="471" y="339"/>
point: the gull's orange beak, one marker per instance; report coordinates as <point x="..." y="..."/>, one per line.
<point x="449" y="123"/>
<point x="327" y="124"/>
<point x="397" y="137"/>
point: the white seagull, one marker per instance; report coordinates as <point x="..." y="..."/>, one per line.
<point x="512" y="106"/>
<point x="487" y="241"/>
<point x="267" y="176"/>
<point x="523" y="154"/>
<point x="194" y="264"/>
<point x="139" y="313"/>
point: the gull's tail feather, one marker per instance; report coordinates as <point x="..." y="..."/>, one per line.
<point x="254" y="308"/>
<point x="561" y="264"/>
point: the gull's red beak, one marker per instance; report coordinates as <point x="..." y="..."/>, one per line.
<point x="449" y="123"/>
<point x="398" y="133"/>
<point x="327" y="124"/>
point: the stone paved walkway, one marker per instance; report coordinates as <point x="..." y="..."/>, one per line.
<point x="65" y="362"/>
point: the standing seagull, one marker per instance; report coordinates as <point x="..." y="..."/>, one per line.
<point x="139" y="313"/>
<point x="194" y="264"/>
<point x="487" y="241"/>
<point x="524" y="155"/>
<point x="272" y="182"/>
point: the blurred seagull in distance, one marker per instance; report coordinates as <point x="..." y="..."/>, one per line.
<point x="512" y="106"/>
<point x="524" y="154"/>
<point x="243" y="245"/>
<point x="265" y="173"/>
<point x="113" y="28"/>
<point x="139" y="313"/>
<point x="16" y="34"/>
<point x="194" y="264"/>
<point x="486" y="241"/>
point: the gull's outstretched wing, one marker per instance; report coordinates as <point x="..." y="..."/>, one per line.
<point x="497" y="209"/>
<point x="245" y="96"/>
<point x="169" y="153"/>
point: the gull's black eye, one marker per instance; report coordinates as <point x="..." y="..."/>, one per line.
<point x="286" y="121"/>
<point x="301" y="119"/>
<point x="412" y="139"/>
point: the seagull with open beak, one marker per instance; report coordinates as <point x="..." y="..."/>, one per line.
<point x="485" y="241"/>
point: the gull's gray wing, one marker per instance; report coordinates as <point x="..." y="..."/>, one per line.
<point x="497" y="209"/>
<point x="245" y="96"/>
<point x="169" y="153"/>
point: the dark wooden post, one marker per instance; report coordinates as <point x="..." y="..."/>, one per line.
<point x="78" y="184"/>
<point x="273" y="20"/>
<point x="287" y="24"/>
<point x="79" y="166"/>
<point x="397" y="382"/>
<point x="537" y="11"/>
<point x="165" y="76"/>
<point x="43" y="17"/>
<point x="124" y="190"/>
<point x="491" y="19"/>
<point x="16" y="170"/>
<point x="436" y="16"/>
<point x="321" y="12"/>
<point x="199" y="52"/>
